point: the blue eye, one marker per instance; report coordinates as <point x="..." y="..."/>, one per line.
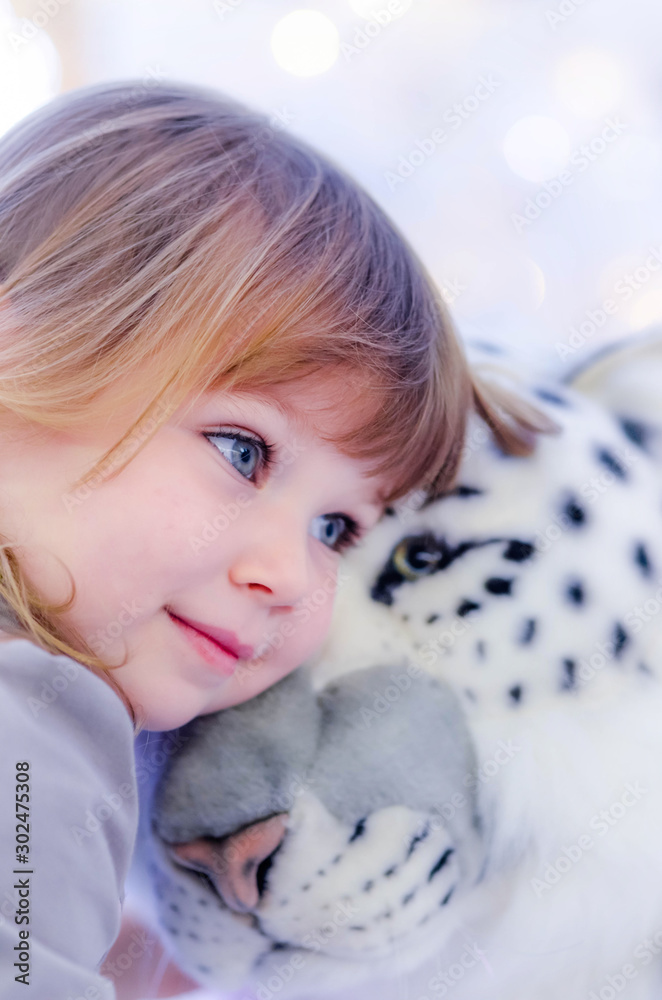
<point x="244" y="453"/>
<point x="338" y="531"/>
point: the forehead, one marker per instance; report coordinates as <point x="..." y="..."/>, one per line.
<point x="325" y="406"/>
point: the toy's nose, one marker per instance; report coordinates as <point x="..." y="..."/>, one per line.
<point x="233" y="863"/>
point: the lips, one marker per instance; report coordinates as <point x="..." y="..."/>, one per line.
<point x="226" y="640"/>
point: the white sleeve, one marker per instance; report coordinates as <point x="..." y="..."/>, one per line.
<point x="76" y="736"/>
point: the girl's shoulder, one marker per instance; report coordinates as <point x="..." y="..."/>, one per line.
<point x="67" y="755"/>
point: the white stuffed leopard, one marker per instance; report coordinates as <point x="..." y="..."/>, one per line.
<point x="461" y="795"/>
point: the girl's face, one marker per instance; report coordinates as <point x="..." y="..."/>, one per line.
<point x="202" y="524"/>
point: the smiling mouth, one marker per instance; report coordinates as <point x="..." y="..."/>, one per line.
<point x="215" y="655"/>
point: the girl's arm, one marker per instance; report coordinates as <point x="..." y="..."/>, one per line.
<point x="140" y="968"/>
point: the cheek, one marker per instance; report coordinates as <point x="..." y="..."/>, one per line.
<point x="319" y="605"/>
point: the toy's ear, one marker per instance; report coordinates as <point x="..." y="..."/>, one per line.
<point x="626" y="378"/>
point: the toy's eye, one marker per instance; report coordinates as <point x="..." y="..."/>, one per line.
<point x="416" y="556"/>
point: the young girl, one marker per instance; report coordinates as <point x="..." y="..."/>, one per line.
<point x="219" y="362"/>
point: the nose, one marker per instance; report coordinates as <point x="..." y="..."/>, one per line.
<point x="235" y="864"/>
<point x="274" y="558"/>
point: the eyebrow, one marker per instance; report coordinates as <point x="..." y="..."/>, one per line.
<point x="294" y="415"/>
<point x="287" y="410"/>
<point x="300" y="421"/>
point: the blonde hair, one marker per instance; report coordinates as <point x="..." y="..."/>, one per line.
<point x="160" y="241"/>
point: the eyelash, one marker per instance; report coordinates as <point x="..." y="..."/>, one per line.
<point x="351" y="536"/>
<point x="353" y="532"/>
<point x="266" y="450"/>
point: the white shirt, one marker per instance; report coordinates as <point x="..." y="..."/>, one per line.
<point x="75" y="734"/>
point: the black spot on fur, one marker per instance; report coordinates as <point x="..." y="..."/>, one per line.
<point x="609" y="460"/>
<point x="637" y="432"/>
<point x="516" y="693"/>
<point x="368" y="886"/>
<point x="408" y="898"/>
<point x="569" y="680"/>
<point x="431" y="618"/>
<point x="417" y="840"/>
<point x="574" y="511"/>
<point x="620" y="638"/>
<point x="519" y="551"/>
<point x="465" y="607"/>
<point x="447" y="896"/>
<point x="575" y="592"/>
<point x="465" y="491"/>
<point x="359" y="830"/>
<point x="356" y="927"/>
<point x="551" y="397"/>
<point x="480" y="649"/>
<point x="642" y="560"/>
<point x="279" y="946"/>
<point x="391" y="871"/>
<point x="486" y="345"/>
<point x="498" y="585"/>
<point x="440" y="863"/>
<point x="389" y="511"/>
<point x="528" y="631"/>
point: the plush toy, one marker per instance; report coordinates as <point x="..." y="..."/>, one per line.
<point x="461" y="795"/>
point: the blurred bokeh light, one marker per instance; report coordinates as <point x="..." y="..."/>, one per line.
<point x="516" y="143"/>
